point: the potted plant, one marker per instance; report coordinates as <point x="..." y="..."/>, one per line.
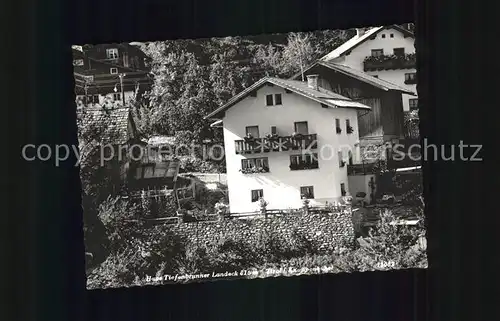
<point x="262" y="206"/>
<point x="249" y="137"/>
<point x="349" y="130"/>
<point x="221" y="208"/>
<point x="272" y="137"/>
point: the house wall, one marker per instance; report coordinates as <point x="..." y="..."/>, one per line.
<point x="360" y="183"/>
<point x="281" y="186"/>
<point x="356" y="57"/>
<point x="386" y="116"/>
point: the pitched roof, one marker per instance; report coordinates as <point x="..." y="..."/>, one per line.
<point x="113" y="123"/>
<point x="359" y="75"/>
<point x="319" y="95"/>
<point x="357" y="40"/>
<point x="363" y="76"/>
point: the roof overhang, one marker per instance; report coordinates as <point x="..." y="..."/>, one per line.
<point x="333" y="103"/>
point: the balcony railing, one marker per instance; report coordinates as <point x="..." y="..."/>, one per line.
<point x="277" y="144"/>
<point x="388" y="62"/>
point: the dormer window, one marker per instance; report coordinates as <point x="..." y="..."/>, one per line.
<point x="112" y="53"/>
<point x="273" y="100"/>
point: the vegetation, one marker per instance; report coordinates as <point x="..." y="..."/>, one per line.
<point x="137" y="251"/>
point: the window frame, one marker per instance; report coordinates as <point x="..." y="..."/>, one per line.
<point x="112" y="53"/>
<point x="259" y="192"/>
<point x="253" y="126"/>
<point x="308" y="193"/>
<point x="111" y="71"/>
<point x="410" y="104"/>
<point x="301" y="122"/>
<point x="402" y="53"/>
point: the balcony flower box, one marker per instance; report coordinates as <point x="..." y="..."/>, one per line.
<point x="254" y="170"/>
<point x="387" y="62"/>
<point x="249" y="138"/>
<point x="303" y="166"/>
<point x="349" y="130"/>
<point x="272" y="137"/>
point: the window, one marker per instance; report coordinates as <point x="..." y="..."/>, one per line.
<point x="272" y="100"/>
<point x="377" y="52"/>
<point x="413" y="104"/>
<point x="277" y="99"/>
<point x="399" y="51"/>
<point x="410" y="78"/>
<point x="113" y="71"/>
<point x="269" y="100"/>
<point x="78" y="62"/>
<point x="351" y="162"/>
<point x="301" y="128"/>
<point x="341" y="159"/>
<point x="274" y="130"/>
<point x="392" y="35"/>
<point x="117" y="96"/>
<point x="337" y="126"/>
<point x="383" y="35"/>
<point x="304" y="161"/>
<point x="256" y="194"/>
<point x="252" y="130"/>
<point x="251" y="163"/>
<point x="93" y="99"/>
<point x="376" y="76"/>
<point x="112" y="53"/>
<point x="307" y="192"/>
<point x="342" y="189"/>
<point x="347" y="125"/>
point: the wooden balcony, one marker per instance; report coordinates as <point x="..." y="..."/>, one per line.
<point x="278" y="144"/>
<point x="389" y="62"/>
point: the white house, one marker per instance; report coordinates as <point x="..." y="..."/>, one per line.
<point x="299" y="140"/>
<point x="386" y="52"/>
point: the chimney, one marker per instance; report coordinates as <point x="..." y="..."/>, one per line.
<point x="360" y="31"/>
<point x="312" y="81"/>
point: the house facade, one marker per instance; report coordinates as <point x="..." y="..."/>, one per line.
<point x="384" y="121"/>
<point x="286" y="140"/>
<point x="109" y="73"/>
<point x="386" y="52"/>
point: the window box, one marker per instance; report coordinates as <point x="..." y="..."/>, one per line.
<point x="304" y="166"/>
<point x="388" y="62"/>
<point x="349" y="130"/>
<point x="254" y="170"/>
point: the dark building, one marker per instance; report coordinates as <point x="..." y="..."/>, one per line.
<point x="102" y="70"/>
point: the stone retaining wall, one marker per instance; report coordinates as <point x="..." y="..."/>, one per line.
<point x="325" y="230"/>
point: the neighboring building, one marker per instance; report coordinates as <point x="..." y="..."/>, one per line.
<point x="287" y="139"/>
<point x="97" y="71"/>
<point x="384" y="52"/>
<point x="384" y="122"/>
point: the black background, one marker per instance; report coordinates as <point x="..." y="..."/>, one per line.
<point x="45" y="275"/>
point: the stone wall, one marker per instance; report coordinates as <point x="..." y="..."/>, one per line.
<point x="326" y="231"/>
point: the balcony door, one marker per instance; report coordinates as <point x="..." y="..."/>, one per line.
<point x="301" y="128"/>
<point x="253" y="130"/>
